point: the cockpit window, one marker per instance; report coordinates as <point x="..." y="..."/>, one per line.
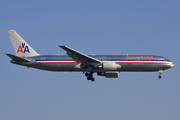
<point x="167" y="60"/>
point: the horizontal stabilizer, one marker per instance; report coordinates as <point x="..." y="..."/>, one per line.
<point x="16" y="58"/>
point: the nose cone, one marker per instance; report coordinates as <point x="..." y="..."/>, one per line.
<point x="172" y="64"/>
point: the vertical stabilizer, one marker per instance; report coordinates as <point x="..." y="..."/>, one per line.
<point x="21" y="47"/>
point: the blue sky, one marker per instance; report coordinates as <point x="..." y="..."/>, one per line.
<point x="91" y="27"/>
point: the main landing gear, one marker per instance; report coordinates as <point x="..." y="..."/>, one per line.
<point x="160" y="72"/>
<point x="90" y="76"/>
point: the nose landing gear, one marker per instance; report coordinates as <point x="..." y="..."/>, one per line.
<point x="160" y="72"/>
<point x="90" y="76"/>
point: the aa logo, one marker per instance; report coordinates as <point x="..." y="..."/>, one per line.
<point x="23" y="49"/>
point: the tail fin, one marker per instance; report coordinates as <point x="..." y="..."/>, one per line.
<point x="21" y="47"/>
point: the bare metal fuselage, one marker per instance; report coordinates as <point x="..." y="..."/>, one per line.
<point x="65" y="63"/>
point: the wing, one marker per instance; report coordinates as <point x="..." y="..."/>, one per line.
<point x="80" y="57"/>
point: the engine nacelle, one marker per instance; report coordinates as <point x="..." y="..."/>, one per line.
<point x="109" y="74"/>
<point x="110" y="66"/>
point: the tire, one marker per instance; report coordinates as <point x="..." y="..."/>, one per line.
<point x="92" y="79"/>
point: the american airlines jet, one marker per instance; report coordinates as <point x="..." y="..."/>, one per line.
<point x="104" y="65"/>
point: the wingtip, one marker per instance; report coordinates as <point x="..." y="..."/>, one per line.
<point x="61" y="46"/>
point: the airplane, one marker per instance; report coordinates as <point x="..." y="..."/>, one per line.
<point x="108" y="66"/>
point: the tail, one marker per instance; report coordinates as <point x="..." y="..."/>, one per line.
<point x="21" y="47"/>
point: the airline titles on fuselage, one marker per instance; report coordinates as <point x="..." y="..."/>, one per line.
<point x="140" y="57"/>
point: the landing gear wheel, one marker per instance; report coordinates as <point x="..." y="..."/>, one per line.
<point x="159" y="76"/>
<point x="86" y="74"/>
<point x="92" y="79"/>
<point x="160" y="72"/>
<point x="88" y="78"/>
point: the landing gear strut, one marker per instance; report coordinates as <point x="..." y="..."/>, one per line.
<point x="90" y="76"/>
<point x="160" y="72"/>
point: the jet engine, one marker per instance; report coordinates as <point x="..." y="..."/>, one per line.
<point x="108" y="74"/>
<point x="109" y="66"/>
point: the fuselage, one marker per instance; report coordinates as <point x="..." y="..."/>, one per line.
<point x="143" y="63"/>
